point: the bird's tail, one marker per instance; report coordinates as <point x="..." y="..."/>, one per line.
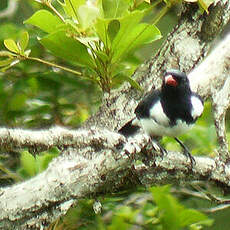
<point x="129" y="128"/>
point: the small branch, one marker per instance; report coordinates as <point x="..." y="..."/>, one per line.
<point x="203" y="194"/>
<point x="189" y="192"/>
<point x="217" y="199"/>
<point x="10" y="174"/>
<point x="216" y="209"/>
<point x="10" y="10"/>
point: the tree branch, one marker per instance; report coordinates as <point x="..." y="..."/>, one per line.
<point x="10" y="10"/>
<point x="83" y="173"/>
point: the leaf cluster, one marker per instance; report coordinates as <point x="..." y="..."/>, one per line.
<point x="159" y="211"/>
<point x="98" y="39"/>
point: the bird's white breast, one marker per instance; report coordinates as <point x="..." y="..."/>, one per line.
<point x="155" y="129"/>
<point x="157" y="114"/>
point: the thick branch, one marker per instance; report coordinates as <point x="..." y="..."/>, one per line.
<point x="72" y="176"/>
<point x="101" y="161"/>
<point x="40" y="140"/>
<point x="221" y="102"/>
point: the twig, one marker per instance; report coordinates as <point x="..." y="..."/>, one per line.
<point x="216" y="209"/>
<point x="10" y="10"/>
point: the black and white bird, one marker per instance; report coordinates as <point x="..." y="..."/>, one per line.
<point x="169" y="111"/>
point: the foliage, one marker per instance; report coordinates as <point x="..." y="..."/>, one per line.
<point x="174" y="215"/>
<point x="99" y="39"/>
<point x="161" y="211"/>
<point x="32" y="165"/>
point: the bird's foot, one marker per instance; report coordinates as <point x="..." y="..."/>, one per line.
<point x="163" y="151"/>
<point x="191" y="158"/>
<point x="186" y="152"/>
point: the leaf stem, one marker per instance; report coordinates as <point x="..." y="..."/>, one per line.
<point x="156" y="3"/>
<point x="52" y="65"/>
<point x="55" y="11"/>
<point x="73" y="8"/>
<point x="10" y="174"/>
<point x="160" y="15"/>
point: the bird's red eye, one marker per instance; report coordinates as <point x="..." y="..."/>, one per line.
<point x="170" y="80"/>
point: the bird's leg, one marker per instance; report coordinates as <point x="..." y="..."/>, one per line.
<point x="162" y="149"/>
<point x="186" y="151"/>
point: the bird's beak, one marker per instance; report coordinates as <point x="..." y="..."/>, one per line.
<point x="170" y="80"/>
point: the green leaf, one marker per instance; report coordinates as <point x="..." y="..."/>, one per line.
<point x="17" y="102"/>
<point x="115" y="8"/>
<point x="122" y="217"/>
<point x="129" y="79"/>
<point x="23" y="42"/>
<point x="101" y="55"/>
<point x="140" y="35"/>
<point x="44" y="160"/>
<point x="67" y="48"/>
<point x="11" y="45"/>
<point x="87" y="15"/>
<point x="127" y="24"/>
<point x="175" y="216"/>
<point x="169" y="206"/>
<point x="101" y="27"/>
<point x="132" y="34"/>
<point x="113" y="28"/>
<point x="44" y="20"/>
<point x="191" y="216"/>
<point x="28" y="163"/>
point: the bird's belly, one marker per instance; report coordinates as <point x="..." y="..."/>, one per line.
<point x="154" y="129"/>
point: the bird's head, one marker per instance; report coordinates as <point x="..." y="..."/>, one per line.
<point x="174" y="79"/>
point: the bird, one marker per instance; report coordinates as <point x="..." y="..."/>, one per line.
<point x="170" y="111"/>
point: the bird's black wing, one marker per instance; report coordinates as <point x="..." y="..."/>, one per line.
<point x="129" y="129"/>
<point x="143" y="108"/>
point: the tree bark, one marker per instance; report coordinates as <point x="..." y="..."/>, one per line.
<point x="96" y="160"/>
